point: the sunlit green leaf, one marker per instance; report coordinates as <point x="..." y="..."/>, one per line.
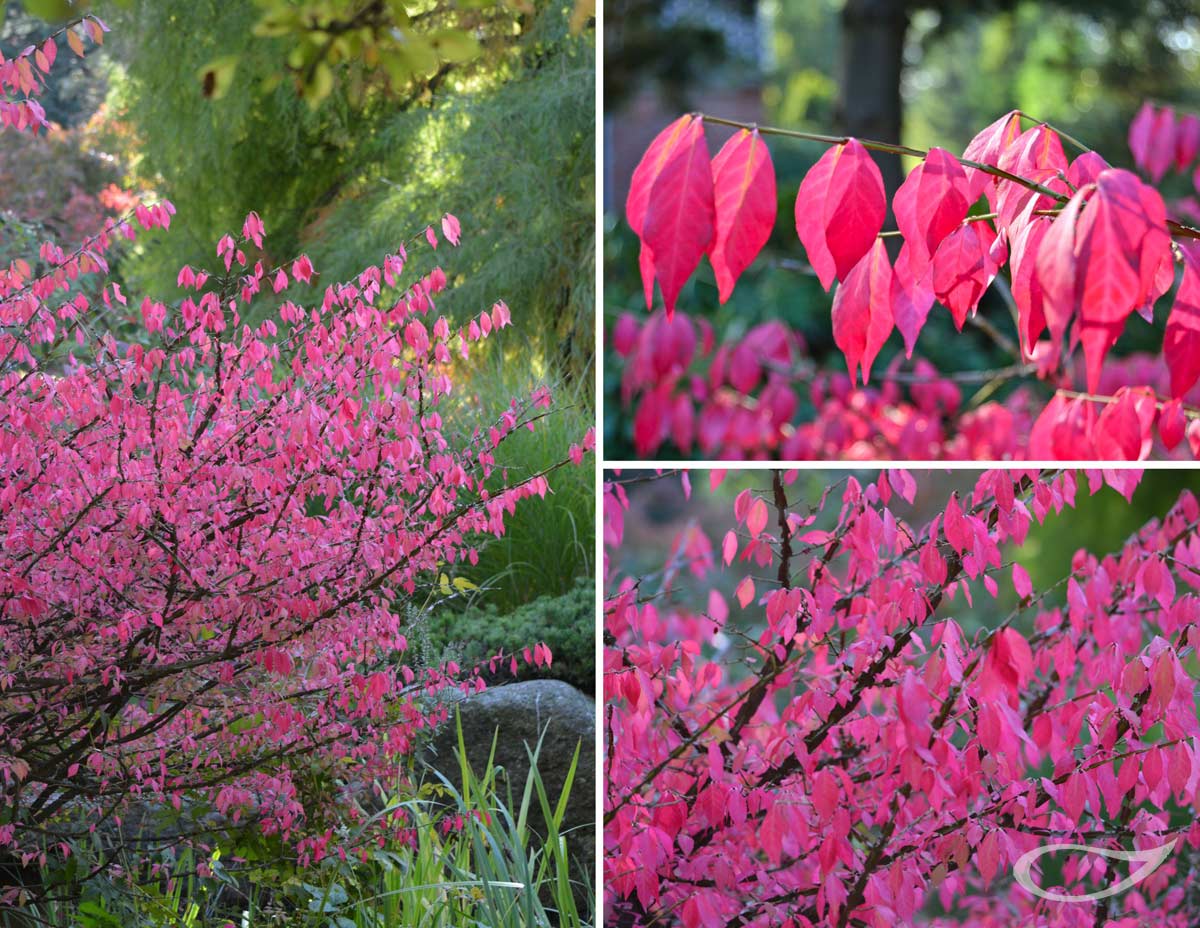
<point x="320" y="85"/>
<point x="216" y="77"/>
<point x="54" y="10"/>
<point x="455" y="45"/>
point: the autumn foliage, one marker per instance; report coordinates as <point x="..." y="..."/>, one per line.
<point x="217" y="529"/>
<point x="1083" y="246"/>
<point x="852" y="751"/>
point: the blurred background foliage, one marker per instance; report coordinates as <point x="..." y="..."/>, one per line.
<point x="351" y="125"/>
<point x="922" y="72"/>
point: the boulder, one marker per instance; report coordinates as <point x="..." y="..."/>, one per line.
<point x="520" y="711"/>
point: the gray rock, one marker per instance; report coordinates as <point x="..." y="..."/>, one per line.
<point x="521" y="711"/>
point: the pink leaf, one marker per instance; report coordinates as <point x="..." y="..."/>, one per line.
<point x="1181" y="341"/>
<point x="1124" y="429"/>
<point x="1171" y="424"/>
<point x="862" y="312"/>
<point x="756" y="519"/>
<point x="680" y="213"/>
<point x="965" y="266"/>
<point x="745" y="592"/>
<point x="840" y="210"/>
<point x="1187" y="141"/>
<point x="1021" y="582"/>
<point x="912" y="298"/>
<point x="729" y="547"/>
<point x="745" y="203"/>
<point x="929" y="205"/>
<point x="986" y="148"/>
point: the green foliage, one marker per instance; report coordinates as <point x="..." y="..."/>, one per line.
<point x="492" y="869"/>
<point x="324" y="34"/>
<point x="566" y="623"/>
<point x="256" y="147"/>
<point x="505" y="142"/>
<point x="544" y="548"/>
<point x="513" y="159"/>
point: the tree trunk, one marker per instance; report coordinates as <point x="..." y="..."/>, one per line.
<point x="872" y="60"/>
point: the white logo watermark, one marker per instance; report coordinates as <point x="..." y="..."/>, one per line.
<point x="1151" y="859"/>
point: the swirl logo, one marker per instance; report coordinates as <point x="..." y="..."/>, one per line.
<point x="1151" y="859"/>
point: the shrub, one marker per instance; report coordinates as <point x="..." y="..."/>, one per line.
<point x="861" y="756"/>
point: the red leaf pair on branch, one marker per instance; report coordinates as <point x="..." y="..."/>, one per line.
<point x="682" y="207"/>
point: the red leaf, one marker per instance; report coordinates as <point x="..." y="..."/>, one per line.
<point x="933" y="565"/>
<point x="1139" y="219"/>
<point x="1026" y="288"/>
<point x="862" y="311"/>
<point x="648" y="169"/>
<point x="912" y="704"/>
<point x="678" y="225"/>
<point x="989" y="857"/>
<point x="756" y="519"/>
<point x="825" y="794"/>
<point x="1123" y="430"/>
<point x="1074" y="795"/>
<point x="1021" y="581"/>
<point x="1139" y="135"/>
<point x="1085" y="169"/>
<point x="955" y="526"/>
<point x="1035" y="155"/>
<point x="1187" y="141"/>
<point x="1054" y="268"/>
<point x="640" y="186"/>
<point x="929" y="205"/>
<point x="1008" y="665"/>
<point x="1171" y="424"/>
<point x="1162" y="678"/>
<point x="840" y="210"/>
<point x="1179" y="768"/>
<point x="964" y="266"/>
<point x="1181" y="341"/>
<point x="1063" y="431"/>
<point x="646" y="267"/>
<point x="729" y="547"/>
<point x="1100" y="261"/>
<point x="745" y="592"/>
<point x="986" y="148"/>
<point x="744" y="183"/>
<point x="912" y="298"/>
<point x="1162" y="144"/>
<point x="1152" y="767"/>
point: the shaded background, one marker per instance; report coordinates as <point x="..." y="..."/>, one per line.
<point x="917" y="72"/>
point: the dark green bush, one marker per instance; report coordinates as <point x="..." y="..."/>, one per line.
<point x="566" y="623"/>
